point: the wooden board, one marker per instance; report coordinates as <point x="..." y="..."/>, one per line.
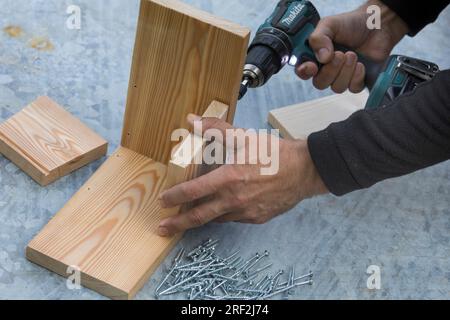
<point x="48" y="142"/>
<point x="108" y="229"/>
<point x="183" y="59"/>
<point x="299" y="121"/>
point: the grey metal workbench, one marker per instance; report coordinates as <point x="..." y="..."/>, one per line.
<point x="401" y="225"/>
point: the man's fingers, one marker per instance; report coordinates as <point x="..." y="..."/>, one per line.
<point x="210" y="123"/>
<point x="194" y="190"/>
<point x="307" y="70"/>
<point x="211" y="127"/>
<point x="321" y="40"/>
<point x="357" y="84"/>
<point x="329" y="72"/>
<point x="342" y="82"/>
<point x="194" y="218"/>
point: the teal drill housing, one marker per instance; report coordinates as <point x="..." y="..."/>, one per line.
<point x="299" y="21"/>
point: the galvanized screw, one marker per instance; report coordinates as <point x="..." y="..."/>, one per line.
<point x="235" y="278"/>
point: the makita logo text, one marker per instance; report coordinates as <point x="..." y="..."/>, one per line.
<point x="293" y="15"/>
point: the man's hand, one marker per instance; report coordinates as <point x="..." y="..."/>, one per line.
<point x="240" y="193"/>
<point x="343" y="71"/>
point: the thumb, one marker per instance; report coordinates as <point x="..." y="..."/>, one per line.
<point x="321" y="40"/>
<point x="208" y="124"/>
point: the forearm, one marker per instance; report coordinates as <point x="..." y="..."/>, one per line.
<point x="410" y="134"/>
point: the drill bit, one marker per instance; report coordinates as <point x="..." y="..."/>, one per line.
<point x="244" y="87"/>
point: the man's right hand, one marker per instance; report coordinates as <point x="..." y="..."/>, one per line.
<point x="340" y="70"/>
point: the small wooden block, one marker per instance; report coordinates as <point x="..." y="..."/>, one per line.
<point x="185" y="167"/>
<point x="182" y="167"/>
<point x="300" y="120"/>
<point x="108" y="229"/>
<point x="48" y="142"/>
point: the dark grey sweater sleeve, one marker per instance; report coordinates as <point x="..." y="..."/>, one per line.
<point x="410" y="134"/>
<point x="417" y="14"/>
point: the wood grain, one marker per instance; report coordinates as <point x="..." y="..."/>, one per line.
<point x="300" y="120"/>
<point x="48" y="142"/>
<point x="183" y="59"/>
<point x="108" y="229"/>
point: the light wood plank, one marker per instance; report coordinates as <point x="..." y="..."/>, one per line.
<point x="108" y="229"/>
<point x="48" y="142"/>
<point x="183" y="59"/>
<point x="300" y="120"/>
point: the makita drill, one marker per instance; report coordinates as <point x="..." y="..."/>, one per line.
<point x="283" y="39"/>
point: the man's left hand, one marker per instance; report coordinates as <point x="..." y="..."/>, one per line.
<point x="240" y="193"/>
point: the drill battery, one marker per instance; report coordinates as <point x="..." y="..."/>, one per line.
<point x="401" y="75"/>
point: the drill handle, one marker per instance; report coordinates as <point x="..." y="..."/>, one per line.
<point x="373" y="69"/>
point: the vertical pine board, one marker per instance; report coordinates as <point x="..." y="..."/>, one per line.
<point x="183" y="59"/>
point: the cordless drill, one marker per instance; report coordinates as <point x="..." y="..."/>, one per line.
<point x="283" y="39"/>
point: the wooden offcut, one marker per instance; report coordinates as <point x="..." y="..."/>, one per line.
<point x="185" y="165"/>
<point x="300" y="120"/>
<point x="184" y="59"/>
<point x="186" y="161"/>
<point x="48" y="142"/>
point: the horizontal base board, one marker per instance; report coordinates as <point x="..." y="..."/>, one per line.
<point x="300" y="120"/>
<point x="108" y="230"/>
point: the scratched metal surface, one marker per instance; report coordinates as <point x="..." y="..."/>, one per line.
<point x="400" y="225"/>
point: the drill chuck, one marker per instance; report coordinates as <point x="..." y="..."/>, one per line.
<point x="267" y="55"/>
<point x="253" y="78"/>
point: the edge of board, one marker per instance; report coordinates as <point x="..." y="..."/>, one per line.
<point x="201" y="15"/>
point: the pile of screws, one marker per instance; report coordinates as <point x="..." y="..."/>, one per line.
<point x="202" y="275"/>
